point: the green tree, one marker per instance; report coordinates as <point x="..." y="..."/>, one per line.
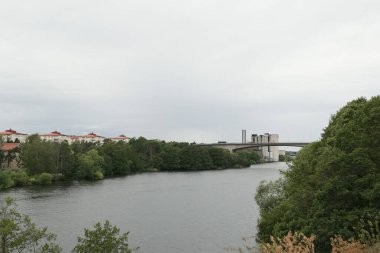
<point x="82" y="147"/>
<point x="64" y="157"/>
<point x="2" y="157"/>
<point x="221" y="158"/>
<point x="331" y="183"/>
<point x="195" y="158"/>
<point x="2" y="154"/>
<point x="19" y="234"/>
<point x="91" y="165"/>
<point x="11" y="155"/>
<point x="6" y="180"/>
<point x="103" y="238"/>
<point x="33" y="137"/>
<point x="170" y="158"/>
<point x="146" y="149"/>
<point x="245" y="158"/>
<point x="118" y="158"/>
<point x="38" y="156"/>
<point x="77" y="149"/>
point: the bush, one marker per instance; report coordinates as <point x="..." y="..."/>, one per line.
<point x="150" y="169"/>
<point x="6" y="180"/>
<point x="299" y="243"/>
<point x="286" y="158"/>
<point x="339" y="245"/>
<point x="20" y="178"/>
<point x="58" y="177"/>
<point x="98" y="175"/>
<point x="294" y="243"/>
<point x="103" y="238"/>
<point x="44" y="179"/>
<point x="244" y="159"/>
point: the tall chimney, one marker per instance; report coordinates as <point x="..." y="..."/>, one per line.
<point x="243" y="136"/>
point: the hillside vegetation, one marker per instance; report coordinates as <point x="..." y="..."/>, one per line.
<point x="332" y="185"/>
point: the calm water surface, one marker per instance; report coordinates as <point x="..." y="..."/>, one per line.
<point x="182" y="212"/>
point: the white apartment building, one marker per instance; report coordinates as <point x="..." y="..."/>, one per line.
<point x="11" y="135"/>
<point x="91" y="137"/>
<point x="121" y="137"/>
<point x="56" y="136"/>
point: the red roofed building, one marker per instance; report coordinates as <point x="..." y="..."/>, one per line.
<point x="10" y="158"/>
<point x="91" y="137"/>
<point x="11" y="135"/>
<point x="121" y="137"/>
<point x="6" y="147"/>
<point x="74" y="138"/>
<point x="55" y="136"/>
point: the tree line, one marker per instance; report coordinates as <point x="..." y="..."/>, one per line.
<point x="42" y="162"/>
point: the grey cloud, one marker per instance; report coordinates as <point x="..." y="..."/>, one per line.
<point x="185" y="70"/>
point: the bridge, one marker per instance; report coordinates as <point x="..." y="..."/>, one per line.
<point x="232" y="147"/>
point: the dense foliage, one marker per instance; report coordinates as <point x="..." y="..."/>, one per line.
<point x="103" y="238"/>
<point x="19" y="234"/>
<point x="332" y="183"/>
<point x="45" y="162"/>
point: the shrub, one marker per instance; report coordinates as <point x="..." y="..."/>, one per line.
<point x="294" y="243"/>
<point x="20" y="178"/>
<point x="373" y="249"/>
<point x="369" y="230"/>
<point x="98" y="175"/>
<point x="150" y="169"/>
<point x="103" y="238"/>
<point x="44" y="179"/>
<point x="342" y="246"/>
<point x="58" y="177"/>
<point x="6" y="180"/>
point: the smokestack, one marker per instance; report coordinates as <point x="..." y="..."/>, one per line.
<point x="243" y="136"/>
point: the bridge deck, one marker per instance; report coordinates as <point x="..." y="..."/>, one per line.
<point x="251" y="144"/>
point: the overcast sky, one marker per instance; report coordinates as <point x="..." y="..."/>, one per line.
<point x="185" y="70"/>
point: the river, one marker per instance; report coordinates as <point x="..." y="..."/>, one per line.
<point x="179" y="212"/>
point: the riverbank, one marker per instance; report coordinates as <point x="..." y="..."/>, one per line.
<point x="19" y="178"/>
<point x="43" y="162"/>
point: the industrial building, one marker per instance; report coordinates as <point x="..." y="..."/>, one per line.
<point x="269" y="153"/>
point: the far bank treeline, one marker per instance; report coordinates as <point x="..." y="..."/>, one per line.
<point x="42" y="162"/>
